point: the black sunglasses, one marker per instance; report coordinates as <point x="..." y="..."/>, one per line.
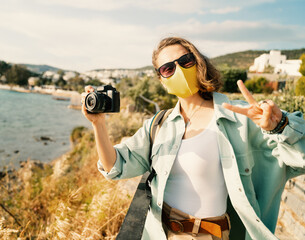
<point x="168" y="69"/>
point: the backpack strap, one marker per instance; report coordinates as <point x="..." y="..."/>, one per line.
<point x="155" y="126"/>
<point x="133" y="225"/>
<point x="157" y="122"/>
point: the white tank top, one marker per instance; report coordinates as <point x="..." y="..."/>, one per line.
<point x="196" y="183"/>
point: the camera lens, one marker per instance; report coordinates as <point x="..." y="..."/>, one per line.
<point x="91" y="102"/>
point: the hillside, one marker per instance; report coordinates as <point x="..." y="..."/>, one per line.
<point x="40" y="68"/>
<point x="241" y="60"/>
<point x="245" y="59"/>
<point x="150" y="67"/>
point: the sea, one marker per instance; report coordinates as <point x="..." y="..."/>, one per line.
<point x="35" y="126"/>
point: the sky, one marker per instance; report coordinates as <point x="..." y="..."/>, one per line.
<point x="83" y="35"/>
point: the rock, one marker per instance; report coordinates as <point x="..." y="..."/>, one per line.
<point x="16" y="151"/>
<point x="2" y="175"/>
<point x="22" y="163"/>
<point x="45" y="138"/>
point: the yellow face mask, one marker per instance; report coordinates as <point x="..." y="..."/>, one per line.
<point x="183" y="83"/>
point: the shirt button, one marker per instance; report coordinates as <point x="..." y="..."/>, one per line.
<point x="165" y="172"/>
<point x="175" y="147"/>
<point x="247" y="170"/>
<point x="159" y="204"/>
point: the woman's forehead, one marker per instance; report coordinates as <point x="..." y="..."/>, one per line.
<point x="170" y="53"/>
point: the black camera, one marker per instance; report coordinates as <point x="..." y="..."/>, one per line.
<point x="104" y="99"/>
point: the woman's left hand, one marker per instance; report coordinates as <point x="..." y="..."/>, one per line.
<point x="266" y="114"/>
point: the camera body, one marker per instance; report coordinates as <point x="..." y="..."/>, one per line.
<point x="105" y="99"/>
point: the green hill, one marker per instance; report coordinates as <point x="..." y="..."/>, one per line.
<point x="40" y="68"/>
<point x="245" y="59"/>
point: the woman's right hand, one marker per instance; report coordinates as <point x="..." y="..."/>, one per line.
<point x="93" y="118"/>
<point x="105" y="150"/>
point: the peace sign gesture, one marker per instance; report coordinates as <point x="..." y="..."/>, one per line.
<point x="266" y="114"/>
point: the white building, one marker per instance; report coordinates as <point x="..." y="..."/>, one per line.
<point x="290" y="67"/>
<point x="278" y="61"/>
<point x="68" y="75"/>
<point x="51" y="75"/>
<point x="272" y="59"/>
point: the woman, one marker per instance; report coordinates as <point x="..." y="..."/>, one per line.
<point x="213" y="157"/>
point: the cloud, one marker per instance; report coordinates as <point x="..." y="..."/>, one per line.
<point x="76" y="43"/>
<point x="217" y="48"/>
<point x="100" y="5"/>
<point x="225" y="10"/>
<point x="218" y="38"/>
<point x="175" y="6"/>
<point x="85" y="40"/>
<point x="237" y="31"/>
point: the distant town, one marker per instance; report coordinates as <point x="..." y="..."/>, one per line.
<point x="272" y="65"/>
<point x="106" y="76"/>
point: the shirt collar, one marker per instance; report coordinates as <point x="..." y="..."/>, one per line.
<point x="175" y="113"/>
<point x="220" y="111"/>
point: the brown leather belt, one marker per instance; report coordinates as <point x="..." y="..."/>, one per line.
<point x="214" y="227"/>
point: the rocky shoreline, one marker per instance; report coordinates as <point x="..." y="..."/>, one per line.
<point x="58" y="94"/>
<point x="55" y="92"/>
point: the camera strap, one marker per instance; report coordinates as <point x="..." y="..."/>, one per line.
<point x="133" y="225"/>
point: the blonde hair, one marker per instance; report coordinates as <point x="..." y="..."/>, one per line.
<point x="208" y="76"/>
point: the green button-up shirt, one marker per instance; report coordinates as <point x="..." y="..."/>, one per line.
<point x="256" y="167"/>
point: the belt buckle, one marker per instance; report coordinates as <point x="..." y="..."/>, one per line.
<point x="181" y="228"/>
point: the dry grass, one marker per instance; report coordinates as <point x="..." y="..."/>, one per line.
<point x="72" y="201"/>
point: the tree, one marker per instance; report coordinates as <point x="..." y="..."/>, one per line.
<point x="61" y="83"/>
<point x="148" y="87"/>
<point x="18" y="75"/>
<point x="230" y="77"/>
<point x="258" y="85"/>
<point x="302" y="67"/>
<point x="4" y="67"/>
<point x="300" y="87"/>
<point x="94" y="82"/>
<point x="43" y="81"/>
<point x="124" y="86"/>
<point x="77" y="84"/>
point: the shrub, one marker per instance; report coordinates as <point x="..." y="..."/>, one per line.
<point x="124" y="125"/>
<point x="250" y="84"/>
<point x="77" y="134"/>
<point x="300" y="87"/>
<point x="286" y="101"/>
<point x="302" y="67"/>
<point x="230" y="77"/>
<point x="258" y="85"/>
